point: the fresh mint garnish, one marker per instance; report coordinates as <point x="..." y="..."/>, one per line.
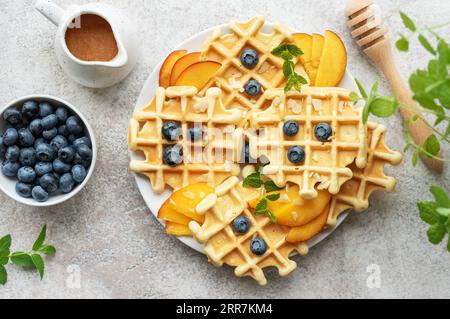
<point x="288" y="52"/>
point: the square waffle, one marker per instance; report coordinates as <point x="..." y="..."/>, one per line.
<point x="211" y="160"/>
<point x="325" y="162"/>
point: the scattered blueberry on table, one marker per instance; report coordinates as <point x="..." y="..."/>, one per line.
<point x="323" y="132"/>
<point x="46" y="149"/>
<point x="253" y="88"/>
<point x="249" y="58"/>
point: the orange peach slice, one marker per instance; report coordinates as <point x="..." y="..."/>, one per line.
<point x="166" y="68"/>
<point x="182" y="64"/>
<point x="308" y="231"/>
<point x="333" y="61"/>
<point x="317" y="48"/>
<point x="198" y="74"/>
<point x="169" y="214"/>
<point x="177" y="229"/>
<point x="185" y="200"/>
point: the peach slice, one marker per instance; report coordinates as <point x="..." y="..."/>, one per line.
<point x="177" y="229"/>
<point x="169" y="214"/>
<point x="304" y="42"/>
<point x="198" y="74"/>
<point x="182" y="64"/>
<point x="308" y="231"/>
<point x="333" y="61"/>
<point x="166" y="68"/>
<point x="317" y="48"/>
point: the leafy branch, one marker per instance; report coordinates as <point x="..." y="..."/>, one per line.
<point x="26" y="259"/>
<point x="288" y="52"/>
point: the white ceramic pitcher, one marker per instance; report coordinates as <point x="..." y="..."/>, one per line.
<point x="91" y="73"/>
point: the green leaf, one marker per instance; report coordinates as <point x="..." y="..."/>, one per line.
<point x="294" y="50"/>
<point x="443" y="212"/>
<point x="402" y="44"/>
<point x="366" y="112"/>
<point x="374" y="90"/>
<point x="280" y="49"/>
<point x="354" y="97"/>
<point x="290" y="83"/>
<point x="41" y="238"/>
<point x="39" y="264"/>
<point x="300" y="79"/>
<point x="5" y="243"/>
<point x="432" y="145"/>
<point x="270" y="186"/>
<point x="4" y="257"/>
<point x="384" y="106"/>
<point x="440" y="196"/>
<point x="408" y="22"/>
<point x="286" y="56"/>
<point x="272" y="216"/>
<point x="48" y="250"/>
<point x="426" y="44"/>
<point x="273" y="197"/>
<point x="361" y="89"/>
<point x="3" y="275"/>
<point x="22" y="259"/>
<point x="436" y="233"/>
<point x="415" y="158"/>
<point x="261" y="208"/>
<point x="253" y="181"/>
<point x="428" y="212"/>
<point x="288" y="68"/>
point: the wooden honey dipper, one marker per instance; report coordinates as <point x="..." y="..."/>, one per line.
<point x="366" y="27"/>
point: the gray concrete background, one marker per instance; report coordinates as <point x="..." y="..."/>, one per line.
<point x="122" y="251"/>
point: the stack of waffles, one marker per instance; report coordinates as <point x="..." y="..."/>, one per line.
<point x="335" y="175"/>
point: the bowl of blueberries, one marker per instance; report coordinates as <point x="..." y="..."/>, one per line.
<point x="47" y="150"/>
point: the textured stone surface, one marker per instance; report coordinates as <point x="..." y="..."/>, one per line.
<point x="122" y="251"/>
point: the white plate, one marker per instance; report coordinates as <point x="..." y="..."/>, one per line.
<point x="154" y="201"/>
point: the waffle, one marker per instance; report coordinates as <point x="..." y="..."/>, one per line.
<point x="232" y="76"/>
<point x="355" y="193"/>
<point x="211" y="160"/>
<point x="326" y="162"/>
<point x="224" y="246"/>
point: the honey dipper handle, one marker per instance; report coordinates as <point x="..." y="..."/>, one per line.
<point x="419" y="130"/>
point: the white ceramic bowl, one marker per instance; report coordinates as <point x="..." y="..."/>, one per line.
<point x="7" y="184"/>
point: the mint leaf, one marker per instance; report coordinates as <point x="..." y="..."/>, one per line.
<point x="366" y="113"/>
<point x="415" y="158"/>
<point x="361" y="89"/>
<point x="272" y="216"/>
<point x="428" y="212"/>
<point x="288" y="68"/>
<point x="432" y="145"/>
<point x="294" y="50"/>
<point x="39" y="264"/>
<point x="444" y="213"/>
<point x="408" y="22"/>
<point x="374" y="90"/>
<point x="354" y="97"/>
<point x="4" y="257"/>
<point x="41" y="238"/>
<point x="384" y="106"/>
<point x="280" y="49"/>
<point x="436" y="233"/>
<point x="3" y="275"/>
<point x="253" y="181"/>
<point x="426" y="44"/>
<point x="273" y="197"/>
<point x="48" y="250"/>
<point x="402" y="44"/>
<point x="5" y="243"/>
<point x="22" y="259"/>
<point x="440" y="196"/>
<point x="261" y="208"/>
<point x="270" y="186"/>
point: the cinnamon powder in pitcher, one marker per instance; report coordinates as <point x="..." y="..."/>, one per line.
<point x="93" y="41"/>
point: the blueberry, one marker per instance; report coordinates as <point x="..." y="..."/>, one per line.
<point x="10" y="168"/>
<point x="195" y="133"/>
<point x="12" y="116"/>
<point x="241" y="224"/>
<point x="62" y="130"/>
<point x="171" y="131"/>
<point x="12" y="153"/>
<point x="39" y="194"/>
<point x="45" y="109"/>
<point x="62" y="114"/>
<point x="36" y="127"/>
<point x="26" y="138"/>
<point x="173" y="155"/>
<point x="67" y="154"/>
<point x="43" y="168"/>
<point x="38" y="141"/>
<point x="253" y="88"/>
<point x="26" y="174"/>
<point x="2" y="148"/>
<point x="60" y="167"/>
<point x="82" y="140"/>
<point x="74" y="125"/>
<point x="24" y="190"/>
<point x="258" y="246"/>
<point x="246" y="157"/>
<point x="45" y="153"/>
<point x="71" y="138"/>
<point x="49" y="121"/>
<point x="323" y="132"/>
<point x="291" y="128"/>
<point x="10" y="137"/>
<point x="30" y="109"/>
<point x="50" y="134"/>
<point x="84" y="151"/>
<point x="296" y="155"/>
<point x="79" y="173"/>
<point x="66" y="183"/>
<point x="78" y="160"/>
<point x="59" y="142"/>
<point x="27" y="157"/>
<point x="249" y="58"/>
<point x="49" y="182"/>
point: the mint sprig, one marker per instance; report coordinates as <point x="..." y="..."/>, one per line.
<point x="288" y="52"/>
<point x="26" y="259"/>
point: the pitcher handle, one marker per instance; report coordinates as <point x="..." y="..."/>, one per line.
<point x="50" y="10"/>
